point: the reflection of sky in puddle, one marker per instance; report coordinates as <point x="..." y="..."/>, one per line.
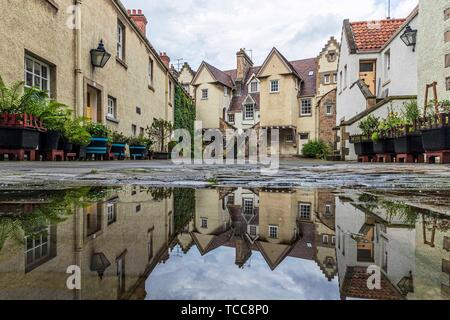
<point x="216" y="277"/>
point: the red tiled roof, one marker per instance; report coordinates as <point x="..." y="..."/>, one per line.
<point x="372" y="35"/>
<point x="355" y="286"/>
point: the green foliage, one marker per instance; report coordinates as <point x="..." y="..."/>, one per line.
<point x="75" y="131"/>
<point x="13" y="99"/>
<point x="98" y="130"/>
<point x="393" y="121"/>
<point x="184" y="111"/>
<point x="183" y="208"/>
<point x="316" y="149"/>
<point x="368" y="125"/>
<point x="160" y="194"/>
<point x="139" y="140"/>
<point x="119" y="137"/>
<point x="410" y="112"/>
<point x="160" y="132"/>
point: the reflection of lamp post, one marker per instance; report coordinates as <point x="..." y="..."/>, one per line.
<point x="99" y="56"/>
<point x="406" y="285"/>
<point x="409" y="37"/>
<point x="99" y="263"/>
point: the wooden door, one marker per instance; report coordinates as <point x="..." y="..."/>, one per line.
<point x="367" y="73"/>
<point x="88" y="108"/>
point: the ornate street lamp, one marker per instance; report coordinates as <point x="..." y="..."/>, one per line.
<point x="99" y="56"/>
<point x="99" y="263"/>
<point x="409" y="37"/>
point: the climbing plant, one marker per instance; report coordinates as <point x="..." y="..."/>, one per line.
<point x="184" y="110"/>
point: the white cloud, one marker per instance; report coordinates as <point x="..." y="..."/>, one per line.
<point x="208" y="30"/>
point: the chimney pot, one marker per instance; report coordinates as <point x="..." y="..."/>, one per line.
<point x="139" y="18"/>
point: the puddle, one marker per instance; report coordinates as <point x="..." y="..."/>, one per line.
<point x="139" y="242"/>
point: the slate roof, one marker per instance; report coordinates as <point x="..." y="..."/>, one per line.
<point x="372" y="35"/>
<point x="220" y="76"/>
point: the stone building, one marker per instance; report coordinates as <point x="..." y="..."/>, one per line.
<point x="185" y="77"/>
<point x="280" y="95"/>
<point x="51" y="50"/>
<point x="433" y="49"/>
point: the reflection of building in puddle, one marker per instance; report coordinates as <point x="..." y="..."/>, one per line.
<point x="276" y="223"/>
<point x="406" y="243"/>
<point x="118" y="235"/>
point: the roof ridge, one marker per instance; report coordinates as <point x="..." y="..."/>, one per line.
<point x="380" y="20"/>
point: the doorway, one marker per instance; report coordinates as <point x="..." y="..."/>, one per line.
<point x="93" y="104"/>
<point x="367" y="73"/>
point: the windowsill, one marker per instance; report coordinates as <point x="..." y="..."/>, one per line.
<point x="274" y="92"/>
<point x="386" y="83"/>
<point x="122" y="63"/>
<point x="306" y="115"/>
<point x="204" y="99"/>
<point x="53" y="4"/>
<point x="112" y="119"/>
<point x="150" y="87"/>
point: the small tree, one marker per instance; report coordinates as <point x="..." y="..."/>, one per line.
<point x="159" y="133"/>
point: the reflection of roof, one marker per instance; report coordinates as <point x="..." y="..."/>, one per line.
<point x="355" y="286"/>
<point x="214" y="242"/>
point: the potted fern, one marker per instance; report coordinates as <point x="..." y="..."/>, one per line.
<point x="75" y="135"/>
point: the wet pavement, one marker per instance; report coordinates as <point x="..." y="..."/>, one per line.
<point x="141" y="242"/>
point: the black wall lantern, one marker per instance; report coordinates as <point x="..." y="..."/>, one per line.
<point x="409" y="37"/>
<point x="99" y="56"/>
<point x="99" y="263"/>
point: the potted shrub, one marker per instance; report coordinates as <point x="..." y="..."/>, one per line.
<point x="119" y="144"/>
<point x="159" y="134"/>
<point x="408" y="139"/>
<point x="363" y="143"/>
<point x="383" y="142"/>
<point x="435" y="127"/>
<point x="100" y="136"/>
<point x="138" y="147"/>
<point x="19" y="128"/>
<point x="75" y="135"/>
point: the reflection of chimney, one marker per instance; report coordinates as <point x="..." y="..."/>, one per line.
<point x="165" y="58"/>
<point x="244" y="63"/>
<point x="138" y="17"/>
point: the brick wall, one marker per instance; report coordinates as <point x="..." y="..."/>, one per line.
<point x="327" y="122"/>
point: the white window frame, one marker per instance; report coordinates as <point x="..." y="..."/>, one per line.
<point x="387" y="65"/>
<point x="204" y="223"/>
<point x="335" y="78"/>
<point x="112" y="108"/>
<point x="111" y="212"/>
<point x="253" y="82"/>
<point x="251" y="229"/>
<point x="249" y="114"/>
<point x="302" y="106"/>
<point x="304" y="211"/>
<point x="274" y="86"/>
<point x="330" y="112"/>
<point x="231" y="118"/>
<point x="120" y="41"/>
<point x="35" y="75"/>
<point x="150" y="71"/>
<point x="328" y="209"/>
<point x="205" y="93"/>
<point x="248" y="205"/>
<point x="327" y="79"/>
<point x="273" y="232"/>
<point x="37" y="246"/>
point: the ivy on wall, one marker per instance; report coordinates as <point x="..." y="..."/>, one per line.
<point x="184" y="111"/>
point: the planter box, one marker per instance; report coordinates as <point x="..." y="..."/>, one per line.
<point x="407" y="144"/>
<point x="118" y="149"/>
<point x="436" y="139"/>
<point x="97" y="146"/>
<point x="49" y="141"/>
<point x="67" y="147"/>
<point x="364" y="148"/>
<point x="19" y="138"/>
<point x="384" y="146"/>
<point x="161" y="155"/>
<point x="138" y="151"/>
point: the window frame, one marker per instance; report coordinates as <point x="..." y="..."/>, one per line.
<point x="120" y="41"/>
<point x="301" y="213"/>
<point x="112" y="115"/>
<point x="204" y="223"/>
<point x="203" y="96"/>
<point x="34" y="75"/>
<point x="271" y="84"/>
<point x="150" y="71"/>
<point x="330" y="113"/>
<point x="253" y="82"/>
<point x="302" y="106"/>
<point x="252" y="112"/>
<point x="325" y="77"/>
<point x="231" y="118"/>
<point x="274" y="235"/>
<point x="248" y="204"/>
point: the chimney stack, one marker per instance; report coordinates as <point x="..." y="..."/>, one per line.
<point x="139" y="18"/>
<point x="244" y="63"/>
<point x="165" y="58"/>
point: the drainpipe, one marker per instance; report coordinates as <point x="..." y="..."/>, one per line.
<point x="78" y="71"/>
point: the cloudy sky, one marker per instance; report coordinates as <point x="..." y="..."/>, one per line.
<point x="214" y="30"/>
<point x="216" y="277"/>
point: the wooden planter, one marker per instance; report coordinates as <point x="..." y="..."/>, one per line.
<point x="363" y="145"/>
<point x="436" y="139"/>
<point x="98" y="146"/>
<point x="384" y="146"/>
<point x="138" y="152"/>
<point x="19" y="138"/>
<point x="409" y="144"/>
<point x="119" y="150"/>
<point x="49" y="141"/>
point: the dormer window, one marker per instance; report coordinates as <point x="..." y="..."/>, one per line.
<point x="249" y="111"/>
<point x="254" y="87"/>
